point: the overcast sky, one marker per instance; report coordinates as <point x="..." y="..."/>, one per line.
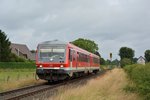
<point x="110" y="23"/>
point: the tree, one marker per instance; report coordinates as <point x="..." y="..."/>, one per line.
<point x="5" y="50"/>
<point x="33" y="51"/>
<point x="135" y="60"/>
<point x="86" y="44"/>
<point x="107" y="62"/>
<point x="126" y="52"/>
<point x="115" y="62"/>
<point x="98" y="54"/>
<point x="102" y="61"/>
<point x="126" y="61"/>
<point x="147" y="55"/>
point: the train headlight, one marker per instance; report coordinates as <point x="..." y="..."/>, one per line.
<point x="41" y="66"/>
<point x="61" y="66"/>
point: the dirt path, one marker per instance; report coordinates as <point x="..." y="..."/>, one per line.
<point x="107" y="87"/>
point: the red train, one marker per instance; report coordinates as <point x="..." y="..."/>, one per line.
<point x="56" y="60"/>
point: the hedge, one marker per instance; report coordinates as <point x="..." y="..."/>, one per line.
<point x="17" y="65"/>
<point x="140" y="75"/>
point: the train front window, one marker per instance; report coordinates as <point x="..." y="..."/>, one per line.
<point x="52" y="54"/>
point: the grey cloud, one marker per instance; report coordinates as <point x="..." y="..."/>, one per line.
<point x="111" y="23"/>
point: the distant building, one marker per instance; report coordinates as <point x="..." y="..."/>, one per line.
<point x="22" y="50"/>
<point x="141" y="60"/>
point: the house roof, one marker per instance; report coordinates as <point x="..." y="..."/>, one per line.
<point x="141" y="57"/>
<point x="23" y="49"/>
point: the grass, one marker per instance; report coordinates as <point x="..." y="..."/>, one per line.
<point x="110" y="86"/>
<point x="15" y="71"/>
<point x="16" y="75"/>
<point x="16" y="78"/>
<point x="18" y="84"/>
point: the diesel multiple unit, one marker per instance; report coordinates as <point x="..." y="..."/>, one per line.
<point x="56" y="60"/>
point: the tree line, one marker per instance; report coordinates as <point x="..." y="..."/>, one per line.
<point x="126" y="54"/>
<point x="5" y="50"/>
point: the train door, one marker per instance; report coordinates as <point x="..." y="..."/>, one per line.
<point x="72" y="58"/>
<point x="91" y="60"/>
<point x="77" y="60"/>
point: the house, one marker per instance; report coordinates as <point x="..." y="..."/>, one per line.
<point x="141" y="60"/>
<point x="22" y="50"/>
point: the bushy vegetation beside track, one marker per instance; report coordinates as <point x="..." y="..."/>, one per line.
<point x="140" y="75"/>
<point x="17" y="65"/>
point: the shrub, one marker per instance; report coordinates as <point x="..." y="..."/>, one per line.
<point x="140" y="75"/>
<point x="15" y="58"/>
<point x="17" y="65"/>
<point x="147" y="55"/>
<point x="125" y="61"/>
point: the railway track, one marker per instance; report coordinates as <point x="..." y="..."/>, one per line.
<point x="22" y="93"/>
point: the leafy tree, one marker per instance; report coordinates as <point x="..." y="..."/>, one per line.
<point x="5" y="50"/>
<point x="86" y="44"/>
<point x="126" y="61"/>
<point x="33" y="51"/>
<point x="126" y="52"/>
<point x="102" y="61"/>
<point x="115" y="62"/>
<point x="135" y="60"/>
<point x="147" y="55"/>
<point x="107" y="62"/>
<point x="97" y="53"/>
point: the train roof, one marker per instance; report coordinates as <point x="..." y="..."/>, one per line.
<point x="54" y="42"/>
<point x="57" y="42"/>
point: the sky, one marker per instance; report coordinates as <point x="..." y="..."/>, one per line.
<point x="112" y="24"/>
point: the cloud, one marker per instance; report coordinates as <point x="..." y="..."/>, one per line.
<point x="111" y="23"/>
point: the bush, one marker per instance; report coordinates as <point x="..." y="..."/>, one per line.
<point x="17" y="65"/>
<point x="15" y="58"/>
<point x="102" y="61"/>
<point x="140" y="75"/>
<point x="125" y="61"/>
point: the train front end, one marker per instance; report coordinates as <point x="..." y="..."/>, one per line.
<point x="51" y="61"/>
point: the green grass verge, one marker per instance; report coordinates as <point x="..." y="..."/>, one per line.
<point x="12" y="72"/>
<point x="14" y="75"/>
<point x="10" y="77"/>
<point x="140" y="75"/>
